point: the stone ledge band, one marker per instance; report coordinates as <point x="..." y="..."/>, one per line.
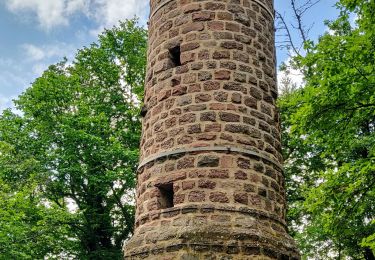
<point x="227" y="149"/>
<point x="256" y="1"/>
<point x="177" y="246"/>
<point x="244" y="210"/>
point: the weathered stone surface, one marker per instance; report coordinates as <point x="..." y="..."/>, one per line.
<point x="208" y="161"/>
<point x="211" y="83"/>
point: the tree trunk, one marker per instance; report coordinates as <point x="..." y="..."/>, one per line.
<point x="369" y="254"/>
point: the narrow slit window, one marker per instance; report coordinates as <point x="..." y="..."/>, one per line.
<point x="166" y="196"/>
<point x="175" y="55"/>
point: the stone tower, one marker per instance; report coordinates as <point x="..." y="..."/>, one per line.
<point x="210" y="180"/>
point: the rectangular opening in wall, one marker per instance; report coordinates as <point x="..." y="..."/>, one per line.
<point x="166" y="196"/>
<point x="175" y="55"/>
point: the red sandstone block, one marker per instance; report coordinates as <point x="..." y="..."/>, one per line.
<point x="221" y="55"/>
<point x="202" y="97"/>
<point x="189" y="78"/>
<point x="181" y="20"/>
<point x="165" y="27"/>
<point x="204" y="75"/>
<point x="170" y="167"/>
<point x="223" y="35"/>
<point x="197" y="173"/>
<point x="196" y="196"/>
<point x="236" y="98"/>
<point x="241" y="198"/>
<point x="226" y="161"/>
<point x="191" y="8"/>
<point x="193" y="108"/>
<point x="243" y="163"/>
<point x="222" y="96"/>
<point x="184" y="100"/>
<point x="251" y="102"/>
<point x="224" y="16"/>
<point x="265" y="181"/>
<point x="255" y="178"/>
<point x="168" y="144"/>
<point x="164" y="94"/>
<point x="217" y="106"/>
<point x="196" y="65"/>
<point x="231" y="107"/>
<point x="243" y="38"/>
<point x="208" y="116"/>
<point x="170" y="178"/>
<point x="222" y="75"/>
<point x="228" y="65"/>
<point x="241" y="56"/>
<point x="255" y="200"/>
<point x="220" y="174"/>
<point x="206" y="137"/>
<point x="170" y="122"/>
<point x="211" y="85"/>
<point x="178" y="199"/>
<point x="249" y="120"/>
<point x="191" y="36"/>
<point x="161" y="137"/>
<point x="173" y="33"/>
<point x="184" y="163"/>
<point x="189" y="46"/>
<point x="234" y="27"/>
<point x="240" y="77"/>
<point x="229" y="117"/>
<point x="214" y="6"/>
<point x="226" y="137"/>
<point x="188" y="185"/>
<point x="215" y="25"/>
<point x="159" y="126"/>
<point x="186" y="139"/>
<point x="193" y="129"/>
<point x="197" y="26"/>
<point x="234" y="86"/>
<point x="187" y="57"/>
<point x="182" y="69"/>
<point x="187" y="118"/>
<point x="249" y="187"/>
<point x="206" y="184"/>
<point x="241" y="175"/>
<point x="204" y="55"/>
<point x="169" y="103"/>
<point x="231" y="45"/>
<point x="208" y="161"/>
<point x="216" y="127"/>
<point x="219" y="197"/>
<point x="179" y="91"/>
<point x="203" y="16"/>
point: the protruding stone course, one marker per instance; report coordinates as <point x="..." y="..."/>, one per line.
<point x="211" y="83"/>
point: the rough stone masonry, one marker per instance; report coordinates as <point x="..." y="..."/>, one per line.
<point x="210" y="180"/>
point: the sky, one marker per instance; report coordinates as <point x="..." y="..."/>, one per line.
<point x="37" y="33"/>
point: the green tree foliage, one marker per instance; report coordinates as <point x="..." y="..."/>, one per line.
<point x="68" y="163"/>
<point x="329" y="132"/>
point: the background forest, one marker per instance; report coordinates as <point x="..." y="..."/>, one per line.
<point x="68" y="156"/>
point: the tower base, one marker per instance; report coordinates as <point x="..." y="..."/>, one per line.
<point x="224" y="233"/>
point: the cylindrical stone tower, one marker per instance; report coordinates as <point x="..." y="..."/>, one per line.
<point x="210" y="180"/>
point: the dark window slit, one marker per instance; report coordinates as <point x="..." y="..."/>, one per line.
<point x="175" y="55"/>
<point x="166" y="196"/>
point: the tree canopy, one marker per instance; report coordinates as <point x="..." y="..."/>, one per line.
<point x="329" y="135"/>
<point x="68" y="161"/>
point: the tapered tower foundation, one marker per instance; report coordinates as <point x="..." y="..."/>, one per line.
<point x="210" y="180"/>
